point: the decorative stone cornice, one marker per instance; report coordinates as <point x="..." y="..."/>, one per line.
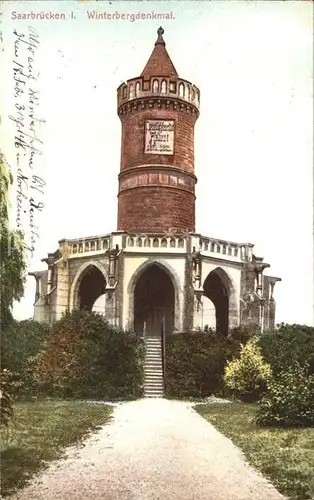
<point x="151" y="102"/>
<point x="151" y="168"/>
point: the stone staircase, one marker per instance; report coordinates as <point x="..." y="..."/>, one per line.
<point x="153" y="370"/>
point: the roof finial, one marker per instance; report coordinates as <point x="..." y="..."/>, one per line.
<point x="160" y="40"/>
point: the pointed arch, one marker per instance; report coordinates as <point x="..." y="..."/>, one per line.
<point x="81" y="272"/>
<point x="175" y="280"/>
<point x="220" y="290"/>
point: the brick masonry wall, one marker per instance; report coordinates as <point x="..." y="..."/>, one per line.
<point x="133" y="139"/>
<point x="156" y="209"/>
<point x="154" y="198"/>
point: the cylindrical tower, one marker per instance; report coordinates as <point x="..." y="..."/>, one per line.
<point x="158" y="111"/>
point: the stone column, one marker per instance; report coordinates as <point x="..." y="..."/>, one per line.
<point x="259" y="267"/>
<point x="62" y="300"/>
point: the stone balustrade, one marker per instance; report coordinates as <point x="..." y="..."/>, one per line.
<point x="226" y="249"/>
<point x="94" y="244"/>
<point x="157" y="243"/>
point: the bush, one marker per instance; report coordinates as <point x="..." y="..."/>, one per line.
<point x="20" y="342"/>
<point x="195" y="363"/>
<point x="287" y="346"/>
<point x="86" y="357"/>
<point x="8" y="386"/>
<point x="248" y="375"/>
<point x="289" y="400"/>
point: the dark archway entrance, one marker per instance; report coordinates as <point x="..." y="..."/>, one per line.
<point x="92" y="285"/>
<point x="217" y="290"/>
<point x="154" y="299"/>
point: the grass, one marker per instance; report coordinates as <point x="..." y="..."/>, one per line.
<point x="284" y="456"/>
<point x="39" y="433"/>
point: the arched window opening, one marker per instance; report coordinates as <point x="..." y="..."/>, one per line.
<point x="155" y="86"/>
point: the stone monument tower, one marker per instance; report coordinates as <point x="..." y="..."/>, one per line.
<point x="158" y="111"/>
<point x="156" y="275"/>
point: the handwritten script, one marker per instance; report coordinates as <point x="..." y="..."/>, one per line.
<point x="27" y="142"/>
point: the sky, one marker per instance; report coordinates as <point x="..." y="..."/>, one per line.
<point x="252" y="62"/>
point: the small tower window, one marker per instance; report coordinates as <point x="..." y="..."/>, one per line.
<point x="181" y="90"/>
<point x="131" y="93"/>
<point x="137" y="89"/>
<point x="155" y="86"/>
<point x="124" y="92"/>
<point x="189" y="93"/>
<point x="172" y="87"/>
<point x="163" y="87"/>
<point x="192" y="95"/>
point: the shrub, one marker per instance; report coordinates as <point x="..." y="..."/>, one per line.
<point x="248" y="375"/>
<point x="289" y="400"/>
<point x="195" y="363"/>
<point x="86" y="357"/>
<point x="8" y="386"/>
<point x="288" y="345"/>
<point x="20" y="342"/>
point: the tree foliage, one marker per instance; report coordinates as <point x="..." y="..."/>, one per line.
<point x="12" y="255"/>
<point x="248" y="375"/>
<point x="20" y="342"/>
<point x="288" y="345"/>
<point x="8" y="385"/>
<point x="195" y="361"/>
<point x="84" y="356"/>
<point x="289" y="400"/>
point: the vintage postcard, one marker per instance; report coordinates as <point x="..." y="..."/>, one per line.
<point x="157" y="169"/>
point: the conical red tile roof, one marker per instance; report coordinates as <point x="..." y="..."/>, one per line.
<point x="159" y="63"/>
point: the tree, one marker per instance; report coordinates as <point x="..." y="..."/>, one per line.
<point x="12" y="254"/>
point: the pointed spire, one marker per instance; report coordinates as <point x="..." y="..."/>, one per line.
<point x="159" y="63"/>
<point x="160" y="40"/>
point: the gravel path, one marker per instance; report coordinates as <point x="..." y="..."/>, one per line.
<point x="154" y="449"/>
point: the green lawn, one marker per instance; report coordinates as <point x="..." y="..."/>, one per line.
<point x="284" y="456"/>
<point x="39" y="433"/>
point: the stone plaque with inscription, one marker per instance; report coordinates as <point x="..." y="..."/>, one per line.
<point x="159" y="137"/>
